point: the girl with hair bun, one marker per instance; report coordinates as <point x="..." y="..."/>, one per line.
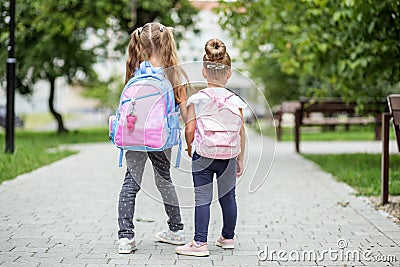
<point x="215" y="133"/>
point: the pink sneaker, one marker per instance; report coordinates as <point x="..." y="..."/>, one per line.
<point x="225" y="243"/>
<point x="193" y="249"/>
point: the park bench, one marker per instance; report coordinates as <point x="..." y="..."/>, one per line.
<point x="330" y="113"/>
<point x="286" y="107"/>
<point x="394" y="115"/>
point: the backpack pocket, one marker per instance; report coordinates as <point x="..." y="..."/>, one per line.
<point x="219" y="134"/>
<point x="111" y="127"/>
<point x="149" y="129"/>
<point x="174" y="129"/>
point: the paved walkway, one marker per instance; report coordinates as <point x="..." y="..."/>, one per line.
<point x="65" y="214"/>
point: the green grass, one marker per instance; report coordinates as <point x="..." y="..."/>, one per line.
<point x="361" y="171"/>
<point x="36" y="149"/>
<point x="355" y="133"/>
<point x="41" y="120"/>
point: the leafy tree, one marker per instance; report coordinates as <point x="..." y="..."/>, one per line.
<point x="106" y="92"/>
<point x="344" y="48"/>
<point x="179" y="13"/>
<point x="278" y="86"/>
<point x="52" y="36"/>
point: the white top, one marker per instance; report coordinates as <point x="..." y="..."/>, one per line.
<point x="200" y="98"/>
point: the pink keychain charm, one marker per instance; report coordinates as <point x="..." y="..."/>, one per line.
<point x="131" y="118"/>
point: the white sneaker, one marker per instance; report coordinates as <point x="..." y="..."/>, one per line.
<point x="126" y="245"/>
<point x="168" y="236"/>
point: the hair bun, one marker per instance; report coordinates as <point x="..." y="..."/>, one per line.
<point x="215" y="49"/>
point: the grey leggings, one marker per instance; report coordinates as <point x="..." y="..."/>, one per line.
<point x="136" y="161"/>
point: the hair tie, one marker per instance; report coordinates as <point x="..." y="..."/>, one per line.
<point x="162" y="28"/>
<point x="215" y="66"/>
<point x="140" y="30"/>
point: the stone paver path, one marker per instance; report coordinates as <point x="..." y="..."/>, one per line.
<point x="65" y="214"/>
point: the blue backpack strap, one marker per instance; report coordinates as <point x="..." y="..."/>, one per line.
<point x="178" y="156"/>
<point x="170" y="100"/>
<point x="146" y="68"/>
<point x="121" y="155"/>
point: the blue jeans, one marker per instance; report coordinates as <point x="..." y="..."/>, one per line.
<point x="203" y="170"/>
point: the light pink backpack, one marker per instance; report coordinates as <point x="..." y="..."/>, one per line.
<point x="218" y="125"/>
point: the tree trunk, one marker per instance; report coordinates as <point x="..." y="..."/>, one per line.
<point x="134" y="12"/>
<point x="56" y="115"/>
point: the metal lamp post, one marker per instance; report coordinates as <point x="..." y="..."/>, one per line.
<point x="10" y="117"/>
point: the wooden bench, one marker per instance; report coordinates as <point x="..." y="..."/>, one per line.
<point x="331" y="112"/>
<point x="286" y="107"/>
<point x="394" y="114"/>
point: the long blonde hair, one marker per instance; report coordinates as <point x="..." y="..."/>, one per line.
<point x="155" y="38"/>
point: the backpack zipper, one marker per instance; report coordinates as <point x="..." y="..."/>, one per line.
<point x="140" y="97"/>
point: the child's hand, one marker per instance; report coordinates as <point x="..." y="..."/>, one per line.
<point x="239" y="167"/>
<point x="189" y="151"/>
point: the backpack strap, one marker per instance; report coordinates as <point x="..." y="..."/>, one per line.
<point x="121" y="155"/>
<point x="178" y="156"/>
<point x="212" y="95"/>
<point x="220" y="99"/>
<point x="146" y="68"/>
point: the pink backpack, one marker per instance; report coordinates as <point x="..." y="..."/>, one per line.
<point x="147" y="118"/>
<point x="218" y="125"/>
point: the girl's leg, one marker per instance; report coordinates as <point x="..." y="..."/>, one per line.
<point x="161" y="167"/>
<point x="203" y="190"/>
<point x="226" y="180"/>
<point x="135" y="162"/>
